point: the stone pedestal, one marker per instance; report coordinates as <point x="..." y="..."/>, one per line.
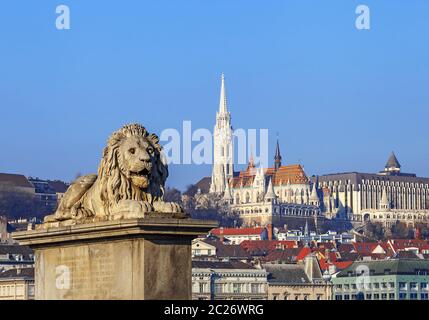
<point x="148" y="258"/>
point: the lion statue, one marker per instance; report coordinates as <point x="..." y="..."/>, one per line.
<point x="130" y="182"/>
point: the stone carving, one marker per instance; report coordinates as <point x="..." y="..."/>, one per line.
<point x="130" y="183"/>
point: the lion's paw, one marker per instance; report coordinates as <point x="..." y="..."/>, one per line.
<point x="131" y="209"/>
<point x="167" y="207"/>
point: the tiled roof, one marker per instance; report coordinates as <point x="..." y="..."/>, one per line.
<point x="220" y="265"/>
<point x="228" y="251"/>
<point x="402" y="244"/>
<point x="17" y="273"/>
<point x="286" y="274"/>
<point x="283" y="256"/>
<point x="265" y="246"/>
<point x="237" y="231"/>
<point x="340" y="265"/>
<point x="293" y="173"/>
<point x="305" y="251"/>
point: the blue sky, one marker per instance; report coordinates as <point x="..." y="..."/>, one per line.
<point x="341" y="99"/>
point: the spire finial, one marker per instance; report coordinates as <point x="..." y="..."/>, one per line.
<point x="277" y="156"/>
<point x="222" y="103"/>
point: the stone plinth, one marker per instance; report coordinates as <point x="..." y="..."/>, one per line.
<point x="148" y="258"/>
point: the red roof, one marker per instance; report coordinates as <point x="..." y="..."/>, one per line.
<point x="340" y="265"/>
<point x="237" y="231"/>
<point x="293" y="173"/>
<point x="303" y="253"/>
<point x="268" y="245"/>
<point x="402" y="244"/>
<point x="365" y="248"/>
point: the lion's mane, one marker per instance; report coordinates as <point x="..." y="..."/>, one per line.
<point x="115" y="186"/>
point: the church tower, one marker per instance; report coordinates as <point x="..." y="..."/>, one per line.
<point x="223" y="166"/>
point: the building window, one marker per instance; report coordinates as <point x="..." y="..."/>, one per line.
<point x="384" y="296"/>
<point x="424" y="286"/>
<point x="218" y="288"/>
<point x="413" y="286"/>
<point x="202" y="287"/>
<point x="236" y="288"/>
<point x="338" y="297"/>
<point x="402" y="296"/>
<point x="424" y="296"/>
<point x="346" y="297"/>
<point x="402" y="286"/>
<point x="368" y="296"/>
<point x="376" y="296"/>
<point x="413" y="296"/>
<point x="254" y="287"/>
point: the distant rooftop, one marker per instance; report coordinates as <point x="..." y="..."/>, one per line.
<point x="15" y="180"/>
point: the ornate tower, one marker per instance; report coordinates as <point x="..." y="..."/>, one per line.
<point x="223" y="166"/>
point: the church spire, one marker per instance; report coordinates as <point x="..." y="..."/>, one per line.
<point x="277" y="157"/>
<point x="222" y="103"/>
<point x="384" y="202"/>
<point x="270" y="195"/>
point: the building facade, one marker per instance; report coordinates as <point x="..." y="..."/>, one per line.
<point x="388" y="196"/>
<point x="301" y="281"/>
<point x="212" y="280"/>
<point x="393" y="279"/>
<point x="17" y="284"/>
<point x="268" y="196"/>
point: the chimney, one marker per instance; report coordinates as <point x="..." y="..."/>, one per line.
<point x="221" y="234"/>
<point x="269" y="228"/>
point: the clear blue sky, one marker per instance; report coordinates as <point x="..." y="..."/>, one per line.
<point x="341" y="99"/>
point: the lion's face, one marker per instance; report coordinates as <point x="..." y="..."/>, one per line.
<point x="138" y="160"/>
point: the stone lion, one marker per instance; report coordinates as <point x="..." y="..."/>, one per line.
<point x="130" y="182"/>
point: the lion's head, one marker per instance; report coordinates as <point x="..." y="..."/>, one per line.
<point x="133" y="166"/>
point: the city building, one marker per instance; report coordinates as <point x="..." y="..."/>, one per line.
<point x="387" y="197"/>
<point x="216" y="250"/>
<point x="231" y="280"/>
<point x="394" y="279"/>
<point x="17" y="284"/>
<point x="300" y="281"/>
<point x="14" y="256"/>
<point x="270" y="196"/>
<point x="48" y="192"/>
<point x="238" y="235"/>
<point x="302" y="235"/>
